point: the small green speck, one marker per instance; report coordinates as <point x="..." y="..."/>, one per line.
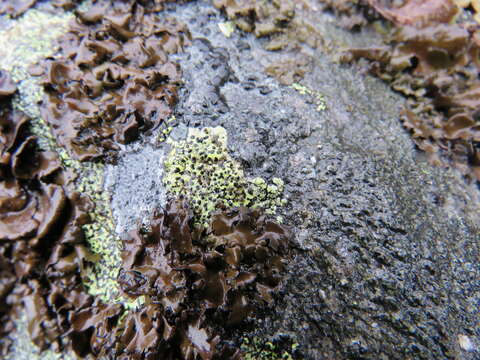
<point x="316" y="96"/>
<point x="227" y="28"/>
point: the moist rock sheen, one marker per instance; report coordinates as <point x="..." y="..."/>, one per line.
<point x="387" y="266"/>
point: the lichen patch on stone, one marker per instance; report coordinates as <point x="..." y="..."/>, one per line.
<point x="201" y="169"/>
<point x="29" y="40"/>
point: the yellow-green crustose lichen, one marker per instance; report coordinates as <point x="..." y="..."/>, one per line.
<point x="317" y="97"/>
<point x="24" y="349"/>
<point x="101" y="238"/>
<point x="29" y="39"/>
<point x="258" y="349"/>
<point x="24" y="42"/>
<point x="165" y="129"/>
<point x="227" y="28"/>
<point x="201" y="169"/>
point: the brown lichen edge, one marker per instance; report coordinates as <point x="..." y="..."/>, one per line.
<point x="114" y="79"/>
<point x="16" y="8"/>
<point x="41" y="242"/>
<point x="436" y="65"/>
<point x="195" y="283"/>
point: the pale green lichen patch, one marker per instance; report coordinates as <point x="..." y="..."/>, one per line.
<point x="165" y="129"/>
<point x="23" y="43"/>
<point x="101" y="238"/>
<point x="258" y="349"/>
<point x="23" y="348"/>
<point x="30" y="39"/>
<point x="227" y="28"/>
<point x="317" y="97"/>
<point x="101" y="277"/>
<point x="201" y="169"/>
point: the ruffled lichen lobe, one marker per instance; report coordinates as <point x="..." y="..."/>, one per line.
<point x="433" y="61"/>
<point x="114" y="79"/>
<point x="23" y="43"/>
<point x="42" y="246"/>
<point x="28" y="40"/>
<point x="68" y="284"/>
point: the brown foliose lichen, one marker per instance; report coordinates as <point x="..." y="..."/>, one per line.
<point x="290" y="71"/>
<point x="261" y="18"/>
<point x="7" y="86"/>
<point x="196" y="283"/>
<point x="355" y="14"/>
<point x="436" y="66"/>
<point x="418" y="13"/>
<point x="281" y="27"/>
<point x="15" y="8"/>
<point x="114" y="79"/>
<point x="351" y="15"/>
<point x="273" y="20"/>
<point x="42" y="252"/>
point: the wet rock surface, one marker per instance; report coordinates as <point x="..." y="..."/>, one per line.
<point x="132" y="189"/>
<point x="387" y="261"/>
<point x="386" y="247"/>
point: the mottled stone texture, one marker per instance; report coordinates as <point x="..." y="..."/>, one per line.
<point x="388" y="246"/>
<point x="386" y="264"/>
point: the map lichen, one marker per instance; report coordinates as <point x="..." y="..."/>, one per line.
<point x="201" y="169"/>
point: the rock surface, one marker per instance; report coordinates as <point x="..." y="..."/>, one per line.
<point x="387" y="253"/>
<point x="388" y="247"/>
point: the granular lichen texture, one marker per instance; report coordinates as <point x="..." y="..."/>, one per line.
<point x="30" y="39"/>
<point x="22" y="44"/>
<point x="257" y="348"/>
<point x="201" y="169"/>
<point x="114" y="79"/>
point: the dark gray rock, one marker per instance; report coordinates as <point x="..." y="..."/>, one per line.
<point x="387" y="260"/>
